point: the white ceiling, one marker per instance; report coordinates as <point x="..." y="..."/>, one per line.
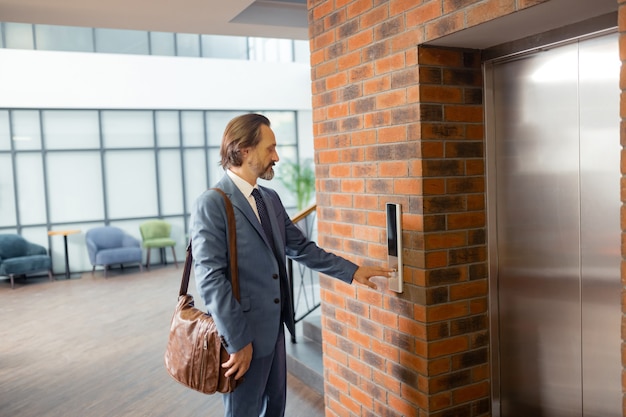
<point x="274" y="18"/>
<point x="262" y="18"/>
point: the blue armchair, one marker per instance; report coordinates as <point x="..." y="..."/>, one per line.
<point x="19" y="257"/>
<point x="109" y="245"/>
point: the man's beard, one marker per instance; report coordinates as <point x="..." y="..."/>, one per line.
<point x="268" y="174"/>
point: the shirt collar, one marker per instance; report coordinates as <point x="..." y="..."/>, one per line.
<point x="243" y="185"/>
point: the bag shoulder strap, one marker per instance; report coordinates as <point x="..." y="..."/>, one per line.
<point x="232" y="250"/>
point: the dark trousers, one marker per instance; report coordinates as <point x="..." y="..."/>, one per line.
<point x="264" y="390"/>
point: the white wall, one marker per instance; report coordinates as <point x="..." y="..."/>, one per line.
<point x="48" y="79"/>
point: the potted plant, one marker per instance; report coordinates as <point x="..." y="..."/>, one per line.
<point x="299" y="178"/>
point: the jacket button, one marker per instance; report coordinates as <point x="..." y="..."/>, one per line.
<point x="276" y="301"/>
<point x="275" y="276"/>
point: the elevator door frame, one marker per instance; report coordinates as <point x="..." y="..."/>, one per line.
<point x="490" y="148"/>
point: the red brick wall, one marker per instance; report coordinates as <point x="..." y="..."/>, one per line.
<point x="622" y="54"/>
<point x="403" y="123"/>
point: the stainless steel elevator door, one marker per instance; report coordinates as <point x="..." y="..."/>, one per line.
<point x="555" y="249"/>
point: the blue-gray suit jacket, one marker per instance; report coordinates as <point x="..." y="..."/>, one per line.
<point x="257" y="317"/>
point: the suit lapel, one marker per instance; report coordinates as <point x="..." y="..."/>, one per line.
<point x="240" y="202"/>
<point x="273" y="220"/>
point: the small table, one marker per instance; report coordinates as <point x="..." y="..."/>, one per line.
<point x="64" y="233"/>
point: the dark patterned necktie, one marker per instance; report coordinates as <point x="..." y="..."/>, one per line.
<point x="265" y="218"/>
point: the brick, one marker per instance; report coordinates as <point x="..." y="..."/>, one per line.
<point x="335" y="19"/>
<point x="337" y="383"/>
<point x="389" y="27"/>
<point x="488" y="10"/>
<point x="335" y="50"/>
<point x="441" y="94"/>
<point x="361" y="397"/>
<point x="452" y="5"/>
<point x="367" y="137"/>
<point x="469" y="114"/>
<point x="348" y="61"/>
<point x="419" y="15"/>
<point x="351" y="155"/>
<point x="449" y="381"/>
<point x="438" y="331"/>
<point x="358" y="7"/>
<point x="444" y="276"/>
<point x="361" y="368"/>
<point x="360" y="40"/>
<point x="408" y="186"/>
<point x="439" y="57"/>
<point x="375" y="51"/>
<point x="376" y="85"/>
<point x="468" y="290"/>
<point x="379" y="118"/>
<point x="447" y="311"/>
<point x="406" y="40"/>
<point x="412" y="327"/>
<point x="466" y="220"/>
<point x="471" y="392"/>
<point x="322" y="9"/>
<point x="361" y="73"/>
<point x="394" y="63"/>
<point x="378" y="15"/>
<point x="350" y="404"/>
<point x="323" y="40"/>
<point x="465" y="149"/>
<point x="415" y="396"/>
<point x="438" y="366"/>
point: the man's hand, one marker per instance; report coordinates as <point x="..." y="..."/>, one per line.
<point x="239" y="362"/>
<point x="364" y="273"/>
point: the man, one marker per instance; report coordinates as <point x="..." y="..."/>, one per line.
<point x="252" y="329"/>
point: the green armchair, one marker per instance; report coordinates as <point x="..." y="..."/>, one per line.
<point x="19" y="257"/>
<point x="156" y="234"/>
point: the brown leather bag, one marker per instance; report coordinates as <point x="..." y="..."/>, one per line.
<point x="194" y="353"/>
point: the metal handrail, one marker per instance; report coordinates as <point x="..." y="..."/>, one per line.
<point x="306" y="290"/>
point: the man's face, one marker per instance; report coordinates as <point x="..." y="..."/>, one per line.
<point x="261" y="159"/>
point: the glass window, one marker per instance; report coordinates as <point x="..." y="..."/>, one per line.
<point x="270" y="50"/>
<point x="302" y="52"/>
<point x="19" y="36"/>
<point x="83" y="200"/>
<point x="284" y="126"/>
<point x="127" y="129"/>
<point x="64" y="38"/>
<point x="130" y="184"/>
<point x="195" y="174"/>
<point x="216" y="122"/>
<point x="193" y="128"/>
<point x="5" y="133"/>
<point x="224" y="47"/>
<point x="39" y="235"/>
<point x="30" y="188"/>
<point x="26" y="131"/>
<point x="71" y="129"/>
<point x="215" y="169"/>
<point x="187" y="44"/>
<point x="170" y="182"/>
<point x="7" y="192"/>
<point x="119" y="41"/>
<point x="305" y="134"/>
<point x="167" y="128"/>
<point x="162" y="43"/>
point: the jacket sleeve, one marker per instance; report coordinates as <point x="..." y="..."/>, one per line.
<point x="209" y="240"/>
<point x="299" y="248"/>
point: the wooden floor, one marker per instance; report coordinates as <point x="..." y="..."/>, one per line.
<point x="93" y="347"/>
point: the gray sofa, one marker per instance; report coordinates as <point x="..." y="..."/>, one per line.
<point x="109" y="245"/>
<point x="19" y="257"/>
